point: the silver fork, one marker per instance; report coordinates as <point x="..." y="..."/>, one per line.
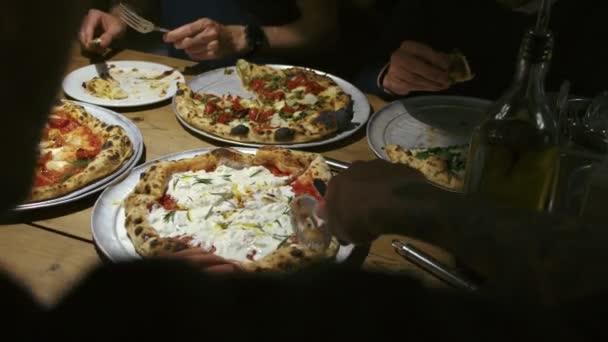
<point x="137" y="22"/>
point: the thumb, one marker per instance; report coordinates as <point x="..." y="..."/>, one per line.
<point x="105" y="40"/>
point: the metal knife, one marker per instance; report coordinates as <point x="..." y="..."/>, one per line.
<point x="429" y="264"/>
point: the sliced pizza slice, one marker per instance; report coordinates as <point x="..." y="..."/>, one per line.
<point x="444" y="166"/>
<point x="75" y="150"/>
<point x="459" y="70"/>
<point x="106" y="88"/>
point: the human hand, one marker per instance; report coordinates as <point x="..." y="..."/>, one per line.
<point x="416" y="67"/>
<point x="205" y="261"/>
<point x="207" y="39"/>
<point x="95" y="22"/>
<point x="376" y="197"/>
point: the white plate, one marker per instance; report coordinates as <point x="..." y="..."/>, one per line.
<point x="108" y="218"/>
<point x="426" y="121"/>
<point x="139" y="93"/>
<point x="219" y="83"/>
<point x="111" y="118"/>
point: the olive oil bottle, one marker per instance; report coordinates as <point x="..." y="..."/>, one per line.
<point x="513" y="157"/>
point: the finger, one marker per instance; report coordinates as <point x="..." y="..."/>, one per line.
<point x="206" y="260"/>
<point x="227" y="268"/>
<point x="187" y="252"/>
<point x="425" y="52"/>
<point x="412" y="82"/>
<point x="180" y="44"/>
<point x="419" y="67"/>
<point x="204" y="38"/>
<point x="188" y="30"/>
<point x="105" y="40"/>
<point x="89" y="25"/>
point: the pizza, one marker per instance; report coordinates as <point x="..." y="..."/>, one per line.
<point x="232" y="204"/>
<point x="458" y="69"/>
<point x="293" y="105"/>
<point x="444" y="166"/>
<point x="76" y="149"/>
<point x="105" y="88"/>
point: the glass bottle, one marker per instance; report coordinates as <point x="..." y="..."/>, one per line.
<point x="514" y="156"/>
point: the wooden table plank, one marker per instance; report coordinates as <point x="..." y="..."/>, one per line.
<point x="47" y="263"/>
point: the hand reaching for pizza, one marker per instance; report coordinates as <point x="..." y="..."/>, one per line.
<point x="207" y="39"/>
<point x="377" y="197"/>
<point x="207" y="262"/>
<point x="416" y="67"/>
<point x="96" y="22"/>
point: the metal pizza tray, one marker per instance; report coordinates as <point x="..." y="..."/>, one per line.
<point x="426" y="121"/>
<point x="111" y="118"/>
<point x="107" y="219"/>
<point x="225" y="81"/>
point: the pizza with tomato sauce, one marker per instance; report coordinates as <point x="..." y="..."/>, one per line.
<point x="291" y="105"/>
<point x="232" y="204"/>
<point x="76" y="149"/>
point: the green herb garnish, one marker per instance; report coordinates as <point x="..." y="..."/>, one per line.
<point x="255" y="173"/>
<point x="228" y="71"/>
<point x="81" y="163"/>
<point x="188" y="216"/>
<point x="175" y="183"/>
<point x="202" y="181"/>
<point x="169" y="217"/>
<point x="278" y="222"/>
<point x="209" y="213"/>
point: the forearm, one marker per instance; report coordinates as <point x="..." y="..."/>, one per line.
<point x="316" y="28"/>
<point x="522" y="254"/>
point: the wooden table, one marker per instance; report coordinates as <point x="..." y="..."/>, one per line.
<point x="50" y="249"/>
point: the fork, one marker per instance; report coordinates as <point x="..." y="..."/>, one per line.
<point x="137" y="22"/>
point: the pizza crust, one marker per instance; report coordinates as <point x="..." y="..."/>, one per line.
<point x="153" y="182"/>
<point x="116" y="149"/>
<point x="433" y="168"/>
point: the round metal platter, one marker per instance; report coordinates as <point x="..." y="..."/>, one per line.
<point x="108" y="218"/>
<point x="111" y="118"/>
<point x="429" y="121"/>
<point x="225" y="81"/>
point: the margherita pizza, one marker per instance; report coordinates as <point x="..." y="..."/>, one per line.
<point x="444" y="166"/>
<point x="225" y="202"/>
<point x="292" y="105"/>
<point x="76" y="149"/>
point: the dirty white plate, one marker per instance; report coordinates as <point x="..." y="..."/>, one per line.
<point x="139" y="90"/>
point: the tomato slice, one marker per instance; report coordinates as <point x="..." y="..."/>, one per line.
<point x="275" y="170"/>
<point x="224" y="118"/>
<point x="258" y="84"/>
<point x="305" y="189"/>
<point x="314" y="87"/>
<point x="168" y="202"/>
<point x="211" y="108"/>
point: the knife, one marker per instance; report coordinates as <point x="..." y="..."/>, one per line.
<point x="429" y="264"/>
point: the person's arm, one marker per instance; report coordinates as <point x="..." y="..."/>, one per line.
<point x="524" y="255"/>
<point x="207" y="39"/>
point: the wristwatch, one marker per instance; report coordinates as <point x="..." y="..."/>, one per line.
<point x="255" y="37"/>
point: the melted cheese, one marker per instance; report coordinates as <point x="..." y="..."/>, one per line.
<point x="238" y="212"/>
<point x="57" y="165"/>
<point x="330" y="92"/>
